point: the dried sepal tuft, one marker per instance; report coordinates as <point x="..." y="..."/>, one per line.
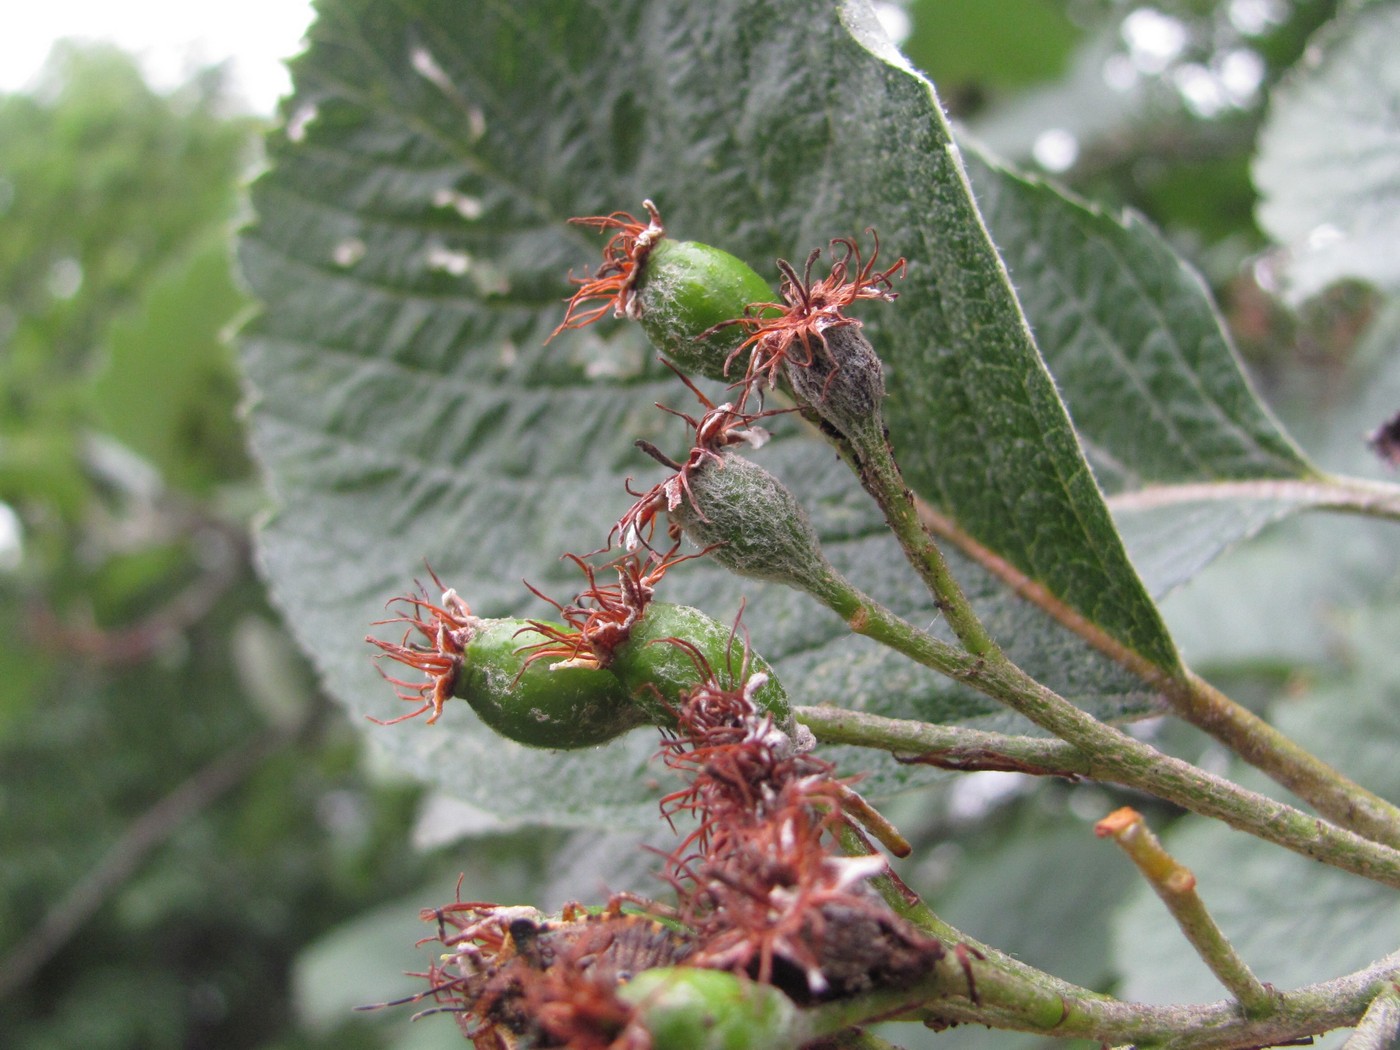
<point x="433" y="643"/>
<point x="613" y="286"/>
<point x="513" y="977"/>
<point x="791" y="334"/>
<point x="601" y="616"/>
<point x="760" y="880"/>
<point x="718" y="428"/>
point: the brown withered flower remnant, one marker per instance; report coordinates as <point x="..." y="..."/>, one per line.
<point x="512" y="977"/>
<point x="759" y="880"/>
<point x="433" y="643"/>
<point x="601" y="616"/>
<point x="810" y="308"/>
<point x="613" y="286"/>
<point x="718" y="427"/>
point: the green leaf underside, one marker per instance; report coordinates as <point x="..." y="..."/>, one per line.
<point x="1227" y="618"/>
<point x="410" y="249"/>
<point x="1328" y="167"/>
<point x="1142" y="361"/>
<point x="1171" y="544"/>
<point x="1133" y="341"/>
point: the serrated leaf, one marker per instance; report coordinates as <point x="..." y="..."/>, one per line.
<point x="410" y="249"/>
<point x="1141" y="358"/>
<point x="1228" y="617"/>
<point x="1133" y="339"/>
<point x="1328" y="167"/>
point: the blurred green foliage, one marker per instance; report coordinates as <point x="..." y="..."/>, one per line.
<point x="136" y="648"/>
<point x="178" y="815"/>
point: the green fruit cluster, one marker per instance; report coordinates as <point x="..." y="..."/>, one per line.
<point x="562" y="704"/>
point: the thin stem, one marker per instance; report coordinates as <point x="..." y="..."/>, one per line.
<point x="946" y="746"/>
<point x="873" y="821"/>
<point x="873" y="460"/>
<point x="1375" y="499"/>
<point x="1332" y="794"/>
<point x="1380" y="1024"/>
<point x="1175" y="884"/>
<point x="1004" y="1000"/>
<point x="1261" y="745"/>
<point x="1113" y="757"/>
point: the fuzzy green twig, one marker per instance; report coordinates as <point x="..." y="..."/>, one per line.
<point x="1005" y="1000"/>
<point x="946" y="746"/>
<point x="1114" y="757"/>
<point x="873" y="461"/>
<point x="1176" y="886"/>
<point x="1380" y="1024"/>
<point x="1334" y="795"/>
<point x="1264" y="747"/>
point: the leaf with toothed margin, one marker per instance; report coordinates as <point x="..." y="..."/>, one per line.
<point x="409" y="251"/>
<point x="1164" y="412"/>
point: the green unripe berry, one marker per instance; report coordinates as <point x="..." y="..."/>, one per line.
<point x="687" y="1008"/>
<point x="656" y="671"/>
<point x="540" y="703"/>
<point x="686" y="290"/>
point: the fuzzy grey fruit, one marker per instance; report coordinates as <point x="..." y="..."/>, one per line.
<point x="761" y="530"/>
<point x="845" y="382"/>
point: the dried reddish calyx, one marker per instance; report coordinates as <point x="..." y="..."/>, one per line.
<point x="706" y="309"/>
<point x="720" y="427"/>
<point x="601" y="616"/>
<point x="791" y="334"/>
<point x="727" y="743"/>
<point x="820" y="353"/>
<point x="613" y="286"/>
<point x="729" y="506"/>
<point x="514" y="977"/>
<point x="433" y="643"/>
<point x="760" y="880"/>
<point x="680" y="291"/>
